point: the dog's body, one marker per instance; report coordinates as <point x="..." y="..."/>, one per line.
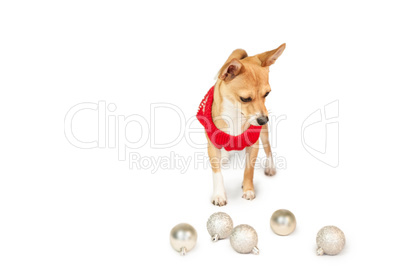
<point x="238" y="102"/>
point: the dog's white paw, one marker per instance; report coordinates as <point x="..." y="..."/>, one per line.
<point x="248" y="195"/>
<point x="270" y="171"/>
<point x="219" y="200"/>
<point x="219" y="194"/>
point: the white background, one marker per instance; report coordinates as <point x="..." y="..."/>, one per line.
<point x="62" y="206"/>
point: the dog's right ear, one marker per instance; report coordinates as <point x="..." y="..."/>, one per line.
<point x="230" y="70"/>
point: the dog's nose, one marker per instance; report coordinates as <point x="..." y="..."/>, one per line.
<point x="262" y="120"/>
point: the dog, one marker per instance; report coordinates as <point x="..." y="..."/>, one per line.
<point x="236" y="110"/>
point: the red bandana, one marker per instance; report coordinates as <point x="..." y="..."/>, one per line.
<point x="218" y="137"/>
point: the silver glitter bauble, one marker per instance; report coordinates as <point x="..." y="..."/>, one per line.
<point x="330" y="240"/>
<point x="244" y="239"/>
<point x="283" y="222"/>
<point x="219" y="226"/>
<point x="183" y="238"/>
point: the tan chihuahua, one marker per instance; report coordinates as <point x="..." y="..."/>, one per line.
<point x="238" y="103"/>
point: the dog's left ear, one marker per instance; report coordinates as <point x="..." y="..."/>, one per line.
<point x="268" y="58"/>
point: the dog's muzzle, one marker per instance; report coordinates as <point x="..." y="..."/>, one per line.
<point x="262" y="120"/>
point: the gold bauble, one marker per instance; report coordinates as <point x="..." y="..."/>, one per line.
<point x="283" y="222"/>
<point x="183" y="238"/>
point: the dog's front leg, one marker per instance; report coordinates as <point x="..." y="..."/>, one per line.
<point x="270" y="169"/>
<point x="248" y="185"/>
<point x="219" y="194"/>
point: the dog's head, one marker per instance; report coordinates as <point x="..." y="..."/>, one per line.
<point x="245" y="82"/>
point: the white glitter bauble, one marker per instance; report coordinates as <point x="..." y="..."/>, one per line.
<point x="219" y="226"/>
<point x="183" y="238"/>
<point x="244" y="239"/>
<point x="330" y="240"/>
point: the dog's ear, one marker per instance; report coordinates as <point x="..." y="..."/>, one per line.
<point x="268" y="58"/>
<point x="238" y="54"/>
<point x="230" y="70"/>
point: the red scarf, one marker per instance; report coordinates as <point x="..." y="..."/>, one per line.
<point x="218" y="137"/>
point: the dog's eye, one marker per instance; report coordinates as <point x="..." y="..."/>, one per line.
<point x="246" y="99"/>
<point x="266" y="94"/>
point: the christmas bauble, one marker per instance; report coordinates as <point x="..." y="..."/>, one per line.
<point x="283" y="222"/>
<point x="219" y="226"/>
<point x="330" y="240"/>
<point x="244" y="239"/>
<point x="183" y="238"/>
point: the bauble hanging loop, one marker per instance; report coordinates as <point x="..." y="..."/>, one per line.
<point x="330" y="240"/>
<point x="244" y="239"/>
<point x="183" y="238"/>
<point x="219" y="226"/>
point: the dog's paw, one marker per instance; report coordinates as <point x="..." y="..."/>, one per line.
<point x="270" y="171"/>
<point x="248" y="195"/>
<point x="219" y="200"/>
